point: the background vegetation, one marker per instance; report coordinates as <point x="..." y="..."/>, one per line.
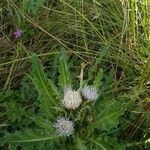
<point x="110" y="38"/>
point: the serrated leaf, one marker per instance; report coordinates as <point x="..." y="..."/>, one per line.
<point x="64" y="77"/>
<point x="27" y="90"/>
<point x="5" y="95"/>
<point x="98" y="78"/>
<point x="29" y="136"/>
<point x="108" y="143"/>
<point x="46" y="89"/>
<point x="43" y="123"/>
<point x="80" y="144"/>
<point x="109" y="113"/>
<point x="93" y="70"/>
<point x="13" y="110"/>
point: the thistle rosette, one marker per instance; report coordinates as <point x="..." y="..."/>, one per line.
<point x="90" y="93"/>
<point x="72" y="99"/>
<point x="64" y="127"/>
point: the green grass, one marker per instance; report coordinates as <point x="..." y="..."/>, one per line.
<point x="110" y="36"/>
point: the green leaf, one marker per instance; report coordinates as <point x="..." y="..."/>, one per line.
<point x="108" y="143"/>
<point x="30" y="139"/>
<point x="43" y="123"/>
<point x="13" y="110"/>
<point x="47" y="91"/>
<point x="109" y="113"/>
<point x="4" y="96"/>
<point x="29" y="136"/>
<point x="27" y="90"/>
<point x="97" y="82"/>
<point x="80" y="144"/>
<point x="32" y="6"/>
<point x="64" y="77"/>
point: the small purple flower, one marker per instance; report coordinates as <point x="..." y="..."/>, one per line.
<point x="18" y="33"/>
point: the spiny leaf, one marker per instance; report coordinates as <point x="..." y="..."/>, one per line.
<point x="108" y="143"/>
<point x="98" y="78"/>
<point x="109" y="113"/>
<point x="43" y="123"/>
<point x="47" y="90"/>
<point x="80" y="144"/>
<point x="13" y="110"/>
<point x="64" y="77"/>
<point x="29" y="135"/>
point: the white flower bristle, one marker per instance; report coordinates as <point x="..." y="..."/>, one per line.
<point x="64" y="126"/>
<point x="72" y="99"/>
<point x="89" y="93"/>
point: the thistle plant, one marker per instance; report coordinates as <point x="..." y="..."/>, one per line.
<point x="80" y="125"/>
<point x="93" y="94"/>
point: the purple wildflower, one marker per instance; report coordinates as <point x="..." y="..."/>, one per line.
<point x="18" y="33"/>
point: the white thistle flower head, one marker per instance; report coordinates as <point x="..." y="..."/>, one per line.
<point x="64" y="127"/>
<point x="90" y="93"/>
<point x="67" y="88"/>
<point x="72" y="99"/>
